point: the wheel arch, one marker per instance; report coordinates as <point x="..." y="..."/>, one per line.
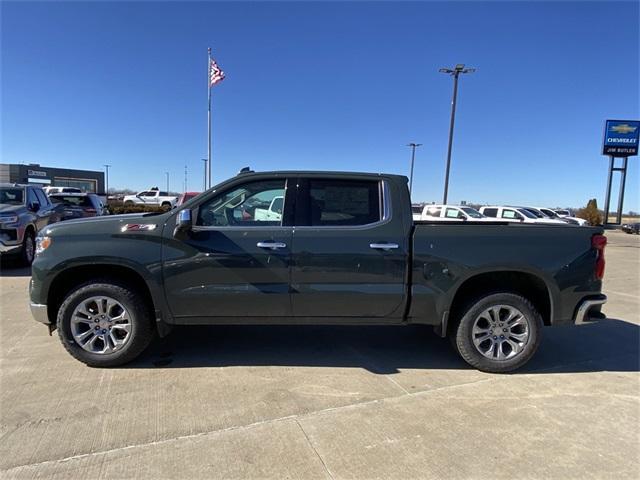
<point x="527" y="284"/>
<point x="70" y="278"/>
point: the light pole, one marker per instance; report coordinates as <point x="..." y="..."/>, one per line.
<point x="413" y="158"/>
<point x="185" y="179"/>
<point x="167" y="174"/>
<point x="106" y="187"/>
<point x="204" y="185"/>
<point x="455" y="73"/>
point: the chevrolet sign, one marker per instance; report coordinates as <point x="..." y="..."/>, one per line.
<point x="621" y="138"/>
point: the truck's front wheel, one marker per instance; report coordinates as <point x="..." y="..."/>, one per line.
<point x="498" y="333"/>
<point x="104" y="324"/>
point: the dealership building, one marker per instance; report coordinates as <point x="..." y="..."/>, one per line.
<point x="85" y="180"/>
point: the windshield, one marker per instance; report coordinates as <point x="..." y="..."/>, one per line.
<point x="549" y="213"/>
<point x="528" y="213"/>
<point x="12" y="196"/>
<point x="472" y="212"/>
<point x="72" y="200"/>
<point x="536" y="213"/>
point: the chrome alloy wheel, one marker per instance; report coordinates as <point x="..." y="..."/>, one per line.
<point x="101" y="325"/>
<point x="500" y="332"/>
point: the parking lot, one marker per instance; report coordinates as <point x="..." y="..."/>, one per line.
<point x="325" y="402"/>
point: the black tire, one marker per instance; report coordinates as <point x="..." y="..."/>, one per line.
<point x="142" y="328"/>
<point x="462" y="336"/>
<point x="166" y="205"/>
<point x="28" y="248"/>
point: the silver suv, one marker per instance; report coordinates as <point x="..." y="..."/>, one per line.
<point x="24" y="211"/>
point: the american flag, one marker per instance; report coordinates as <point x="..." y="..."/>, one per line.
<point x="215" y="73"/>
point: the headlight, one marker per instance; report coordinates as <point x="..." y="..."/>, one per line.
<point x="42" y="243"/>
<point x="8" y="219"/>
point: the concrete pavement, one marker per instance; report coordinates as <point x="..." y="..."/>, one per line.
<point x="326" y="402"/>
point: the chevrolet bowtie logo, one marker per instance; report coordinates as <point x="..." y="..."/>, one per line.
<point x="623" y="128"/>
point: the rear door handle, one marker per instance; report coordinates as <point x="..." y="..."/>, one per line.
<point x="271" y="245"/>
<point x="383" y="246"/>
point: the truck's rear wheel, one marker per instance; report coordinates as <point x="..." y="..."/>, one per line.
<point x="104" y="324"/>
<point x="498" y="333"/>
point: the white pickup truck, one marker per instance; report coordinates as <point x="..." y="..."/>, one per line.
<point x="447" y="213"/>
<point x="273" y="213"/>
<point x="152" y="196"/>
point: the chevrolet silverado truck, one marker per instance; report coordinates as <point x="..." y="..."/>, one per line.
<point x="344" y="251"/>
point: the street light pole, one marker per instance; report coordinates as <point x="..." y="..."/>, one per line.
<point x="413" y="158"/>
<point x="106" y="187"/>
<point x="455" y="73"/>
<point x="204" y="187"/>
<point x="167" y="173"/>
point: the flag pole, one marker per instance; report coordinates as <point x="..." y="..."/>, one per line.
<point x="208" y="175"/>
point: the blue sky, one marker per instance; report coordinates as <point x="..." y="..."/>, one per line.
<point x="336" y="86"/>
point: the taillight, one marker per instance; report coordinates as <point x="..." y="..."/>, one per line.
<point x="598" y="242"/>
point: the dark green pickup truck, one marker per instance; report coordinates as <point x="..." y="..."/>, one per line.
<point x="312" y="248"/>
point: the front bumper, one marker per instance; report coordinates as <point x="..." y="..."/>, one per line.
<point x="589" y="310"/>
<point x="39" y="312"/>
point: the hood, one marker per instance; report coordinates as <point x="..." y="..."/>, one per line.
<point x="8" y="208"/>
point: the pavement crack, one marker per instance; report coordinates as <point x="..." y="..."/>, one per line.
<point x="326" y="469"/>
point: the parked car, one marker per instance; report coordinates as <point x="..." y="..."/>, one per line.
<point x="152" y="196"/>
<point x="631" y="228"/>
<point x="49" y="190"/>
<point x="345" y="251"/>
<point x="449" y="213"/>
<point x="549" y="213"/>
<point x="517" y="214"/>
<point x="185" y="197"/>
<point x="78" y="205"/>
<point x="24" y="211"/>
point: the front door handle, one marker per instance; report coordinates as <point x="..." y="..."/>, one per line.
<point x="383" y="246"/>
<point x="271" y="245"/>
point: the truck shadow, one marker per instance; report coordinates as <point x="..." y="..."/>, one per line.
<point x="611" y="345"/>
<point x="12" y="268"/>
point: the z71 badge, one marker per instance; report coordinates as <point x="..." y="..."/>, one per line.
<point x="138" y="227"/>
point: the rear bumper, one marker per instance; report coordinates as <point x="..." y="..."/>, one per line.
<point x="589" y="310"/>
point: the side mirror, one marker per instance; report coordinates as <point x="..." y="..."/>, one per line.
<point x="34" y="207"/>
<point x="183" y="222"/>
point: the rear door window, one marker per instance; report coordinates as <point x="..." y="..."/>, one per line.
<point x="337" y="202"/>
<point x="434" y="211"/>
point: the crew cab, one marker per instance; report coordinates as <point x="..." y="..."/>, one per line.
<point x="344" y="251"/>
<point x="449" y="213"/>
<point x="152" y="196"/>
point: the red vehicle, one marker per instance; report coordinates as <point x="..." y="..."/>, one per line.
<point x="185" y="197"/>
